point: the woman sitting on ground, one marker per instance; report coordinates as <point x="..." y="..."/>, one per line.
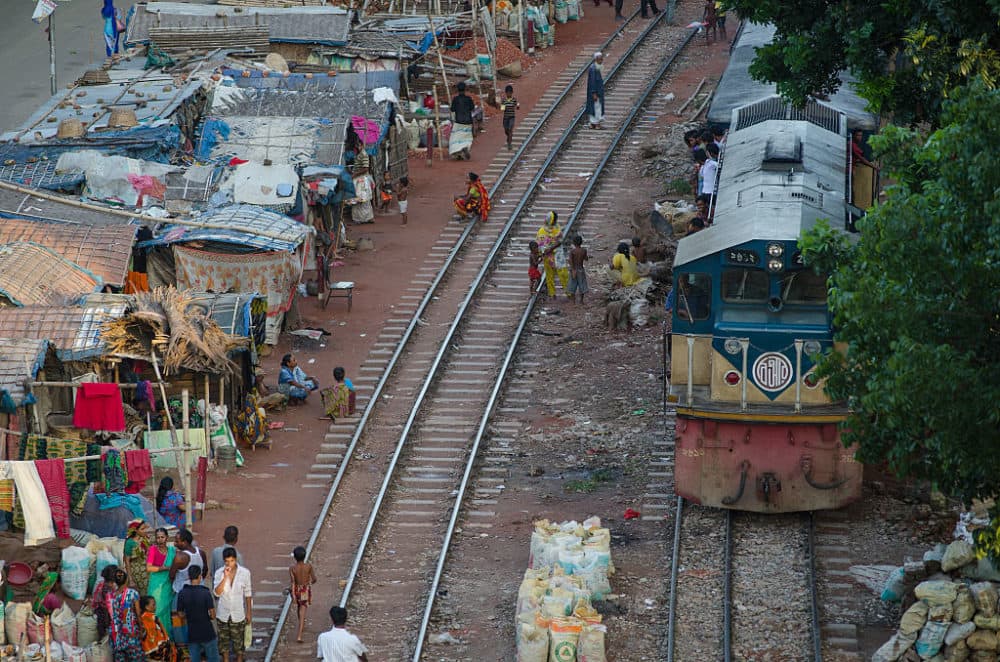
<point x="339" y="398"/>
<point x="294" y="382"/>
<point x="626" y="264"/>
<point x="475" y="202"/>
<point x="170" y="503"/>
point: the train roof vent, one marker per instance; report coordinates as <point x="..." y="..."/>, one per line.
<point x="783" y="148"/>
<point x="775" y="108"/>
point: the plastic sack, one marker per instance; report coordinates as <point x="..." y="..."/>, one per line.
<point x="573" y="10"/>
<point x="3" y="630"/>
<point x="562" y="12"/>
<point x="74" y="571"/>
<point x="586" y="613"/>
<point x="16" y="621"/>
<point x="931" y="639"/>
<point x="564" y="635"/>
<point x="63" y="622"/>
<point x="985" y="595"/>
<point x="55" y="651"/>
<point x="35" y="627"/>
<point x="530" y="592"/>
<point x="895" y="586"/>
<point x="590" y="647"/>
<point x="571" y="559"/>
<point x="532" y="643"/>
<point x="555" y="606"/>
<point x="86" y="627"/>
<point x="99" y="651"/>
<point x="73" y="653"/>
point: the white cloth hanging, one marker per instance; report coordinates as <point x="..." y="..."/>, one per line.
<point x="37" y="516"/>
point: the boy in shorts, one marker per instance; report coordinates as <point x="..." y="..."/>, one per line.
<point x="401" y="192"/>
<point x="303" y="577"/>
<point x="577" y="274"/>
<point x="509" y="105"/>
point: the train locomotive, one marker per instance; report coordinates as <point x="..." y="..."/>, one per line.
<point x="755" y="430"/>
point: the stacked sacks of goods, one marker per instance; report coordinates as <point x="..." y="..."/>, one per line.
<point x="569" y="568"/>
<point x="954" y="613"/>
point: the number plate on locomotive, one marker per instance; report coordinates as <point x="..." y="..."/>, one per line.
<point x="742" y="256"/>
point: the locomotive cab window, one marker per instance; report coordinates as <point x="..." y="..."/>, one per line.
<point x="694" y="300"/>
<point x="744" y="285"/>
<point x="804" y="287"/>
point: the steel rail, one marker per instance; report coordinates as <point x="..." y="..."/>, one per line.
<point x="414" y="322"/>
<point x="498" y="384"/>
<point x="674" y="569"/>
<point x="456" y="322"/>
<point x="817" y="638"/>
<point x="727" y="592"/>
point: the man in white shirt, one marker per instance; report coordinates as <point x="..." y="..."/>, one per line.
<point x="234" y="611"/>
<point x="710" y="169"/>
<point x="337" y="644"/>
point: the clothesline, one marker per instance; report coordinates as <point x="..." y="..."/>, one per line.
<point x="155" y="451"/>
<point x="78" y="384"/>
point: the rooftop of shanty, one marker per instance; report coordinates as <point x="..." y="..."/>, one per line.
<point x="152" y="94"/>
<point x="74" y="331"/>
<point x="104" y="250"/>
<point x="23" y="202"/>
<point x="245" y="226"/>
<point x="20" y="361"/>
<point x="33" y="274"/>
<point x="303" y="25"/>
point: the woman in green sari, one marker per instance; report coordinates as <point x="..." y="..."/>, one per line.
<point x="158" y="562"/>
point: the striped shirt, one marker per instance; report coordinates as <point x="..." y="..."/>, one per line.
<point x="509" y="106"/>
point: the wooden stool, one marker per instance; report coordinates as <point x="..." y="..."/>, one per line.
<point x="344" y="289"/>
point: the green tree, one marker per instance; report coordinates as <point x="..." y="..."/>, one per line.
<point x="917" y="302"/>
<point x="906" y="54"/>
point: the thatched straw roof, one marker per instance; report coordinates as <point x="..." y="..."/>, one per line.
<point x="193" y="340"/>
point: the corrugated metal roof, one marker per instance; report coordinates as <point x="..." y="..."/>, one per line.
<point x="74" y="331"/>
<point x="32" y="274"/>
<point x="303" y="25"/>
<point x="241" y="225"/>
<point x="104" y="250"/>
<point x="20" y="361"/>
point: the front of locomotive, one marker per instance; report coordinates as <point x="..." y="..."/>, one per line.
<point x="755" y="429"/>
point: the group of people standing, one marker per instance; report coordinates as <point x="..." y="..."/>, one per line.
<point x="157" y="600"/>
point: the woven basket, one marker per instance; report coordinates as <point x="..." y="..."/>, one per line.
<point x="122" y="118"/>
<point x="70" y="128"/>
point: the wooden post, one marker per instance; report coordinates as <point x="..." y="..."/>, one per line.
<point x="185" y="471"/>
<point x="444" y="74"/>
<point x="163" y="394"/>
<point x="207" y="402"/>
<point x="520" y="24"/>
<point x="437" y="123"/>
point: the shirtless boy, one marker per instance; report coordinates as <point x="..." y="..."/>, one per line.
<point x="534" y="259"/>
<point x="577" y="274"/>
<point x="401" y="192"/>
<point x="303" y="577"/>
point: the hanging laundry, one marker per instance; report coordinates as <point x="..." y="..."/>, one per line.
<point x="7" y="495"/>
<point x="52" y="473"/>
<point x="99" y="407"/>
<point x="115" y="473"/>
<point x="31" y="495"/>
<point x="139" y="468"/>
<point x="367" y="130"/>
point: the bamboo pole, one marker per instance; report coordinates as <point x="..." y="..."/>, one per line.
<point x="437" y="123"/>
<point x="77" y="384"/>
<point x="178" y="457"/>
<point x="185" y="471"/>
<point x="444" y="72"/>
<point x="520" y="24"/>
<point x="690" y="98"/>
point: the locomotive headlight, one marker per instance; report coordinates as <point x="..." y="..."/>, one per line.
<point x="775" y="250"/>
<point x="812" y="347"/>
<point x="733" y="346"/>
<point x="774" y="265"/>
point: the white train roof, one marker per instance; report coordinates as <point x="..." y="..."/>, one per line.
<point x="778" y="178"/>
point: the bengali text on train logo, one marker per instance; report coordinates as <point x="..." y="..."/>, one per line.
<point x="772" y="371"/>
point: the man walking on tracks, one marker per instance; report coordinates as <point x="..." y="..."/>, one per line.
<point x="595" y="91"/>
<point x="337" y="644"/>
<point x="460" y="141"/>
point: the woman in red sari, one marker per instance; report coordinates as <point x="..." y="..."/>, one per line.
<point x="476" y="201"/>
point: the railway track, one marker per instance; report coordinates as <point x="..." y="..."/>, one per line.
<point x="749" y="577"/>
<point x="433" y="413"/>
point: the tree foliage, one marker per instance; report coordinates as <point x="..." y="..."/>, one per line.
<point x="908" y="55"/>
<point x="917" y="301"/>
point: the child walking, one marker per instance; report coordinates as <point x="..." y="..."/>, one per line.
<point x="577" y="273"/>
<point x="509" y="105"/>
<point x="401" y="192"/>
<point x="385" y="197"/>
<point x="303" y="577"/>
<point x="534" y="259"/>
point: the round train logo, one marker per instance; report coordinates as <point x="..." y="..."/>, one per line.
<point x="772" y="371"/>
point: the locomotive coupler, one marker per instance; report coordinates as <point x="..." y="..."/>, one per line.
<point x="766" y="483"/>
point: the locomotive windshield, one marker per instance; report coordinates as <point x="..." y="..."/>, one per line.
<point x="744" y="285"/>
<point x="695" y="296"/>
<point x="804" y="287"/>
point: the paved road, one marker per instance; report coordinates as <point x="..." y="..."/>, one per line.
<point x="24" y="52"/>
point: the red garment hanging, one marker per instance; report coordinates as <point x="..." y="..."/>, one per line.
<point x="53" y="476"/>
<point x="139" y="469"/>
<point x="99" y="407"/>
